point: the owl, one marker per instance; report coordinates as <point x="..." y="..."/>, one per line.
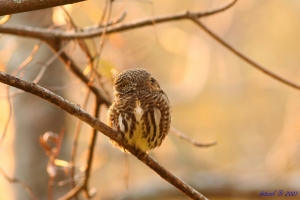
<point x="141" y="110"/>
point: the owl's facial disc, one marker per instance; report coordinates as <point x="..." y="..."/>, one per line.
<point x="135" y="80"/>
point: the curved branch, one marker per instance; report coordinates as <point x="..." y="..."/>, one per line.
<point x="98" y="125"/>
<point x="17" y="6"/>
<point x="245" y="58"/>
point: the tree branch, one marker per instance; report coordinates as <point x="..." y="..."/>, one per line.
<point x="46" y="35"/>
<point x="98" y="125"/>
<point x="17" y="6"/>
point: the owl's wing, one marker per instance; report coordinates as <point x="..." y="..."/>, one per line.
<point x="112" y="118"/>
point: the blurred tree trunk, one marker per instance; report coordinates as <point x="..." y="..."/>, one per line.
<point x="33" y="116"/>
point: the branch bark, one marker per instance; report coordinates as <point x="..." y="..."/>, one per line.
<point x="98" y="125"/>
<point x="17" y="6"/>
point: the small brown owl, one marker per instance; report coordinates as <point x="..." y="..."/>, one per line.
<point x="141" y="110"/>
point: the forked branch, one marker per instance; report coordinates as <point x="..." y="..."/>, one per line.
<point x="98" y="125"/>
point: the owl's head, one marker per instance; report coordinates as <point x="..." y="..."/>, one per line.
<point x="135" y="81"/>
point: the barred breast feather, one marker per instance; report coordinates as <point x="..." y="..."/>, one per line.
<point x="144" y="122"/>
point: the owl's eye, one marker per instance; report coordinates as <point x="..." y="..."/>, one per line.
<point x="123" y="86"/>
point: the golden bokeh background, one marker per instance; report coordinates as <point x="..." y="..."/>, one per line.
<point x="215" y="96"/>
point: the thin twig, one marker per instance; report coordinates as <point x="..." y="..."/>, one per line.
<point x="48" y="63"/>
<point x="92" y="145"/>
<point x="18" y="181"/>
<point x="101" y="97"/>
<point x="101" y="127"/>
<point x="81" y="42"/>
<point x="9" y="96"/>
<point x="107" y="10"/>
<point x="95" y="75"/>
<point x="28" y="60"/>
<point x="103" y="13"/>
<point x="25" y="63"/>
<point x="75" y="142"/>
<point x="190" y="140"/>
<point x="69" y="17"/>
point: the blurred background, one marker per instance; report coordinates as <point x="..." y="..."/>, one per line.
<point x="215" y="96"/>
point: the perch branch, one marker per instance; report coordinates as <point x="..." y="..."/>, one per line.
<point x="99" y="126"/>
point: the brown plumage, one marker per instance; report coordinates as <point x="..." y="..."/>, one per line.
<point x="141" y="110"/>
